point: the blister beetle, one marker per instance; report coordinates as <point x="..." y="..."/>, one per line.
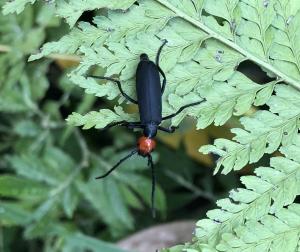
<point x="149" y="100"/>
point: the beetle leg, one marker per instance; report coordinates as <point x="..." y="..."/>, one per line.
<point x="182" y="108"/>
<point x="119" y="86"/>
<point x="134" y="125"/>
<point x="164" y="79"/>
<point x="168" y="130"/>
<point x="129" y="125"/>
<point x="159" y="69"/>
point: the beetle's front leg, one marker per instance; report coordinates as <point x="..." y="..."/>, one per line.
<point x="168" y="130"/>
<point x="182" y="108"/>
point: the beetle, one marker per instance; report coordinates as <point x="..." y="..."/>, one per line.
<point x="149" y="100"/>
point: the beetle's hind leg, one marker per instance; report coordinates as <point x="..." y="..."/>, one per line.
<point x="126" y="96"/>
<point x="163" y="86"/>
<point x="129" y="125"/>
<point x="182" y="108"/>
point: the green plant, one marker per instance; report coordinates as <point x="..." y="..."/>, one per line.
<point x="208" y="40"/>
<point x="47" y="170"/>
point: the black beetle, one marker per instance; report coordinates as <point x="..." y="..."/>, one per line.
<point x="149" y="100"/>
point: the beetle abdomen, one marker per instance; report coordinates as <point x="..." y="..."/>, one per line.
<point x="148" y="89"/>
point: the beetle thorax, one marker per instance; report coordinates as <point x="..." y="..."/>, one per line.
<point x="150" y="130"/>
<point x="144" y="57"/>
<point x="146" y="145"/>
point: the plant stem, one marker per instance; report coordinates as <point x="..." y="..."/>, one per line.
<point x="289" y="80"/>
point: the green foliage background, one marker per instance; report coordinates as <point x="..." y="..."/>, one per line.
<point x="207" y="42"/>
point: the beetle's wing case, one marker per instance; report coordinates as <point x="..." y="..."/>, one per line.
<point x="148" y="89"/>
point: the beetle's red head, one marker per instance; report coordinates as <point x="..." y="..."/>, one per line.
<point x="146" y="145"/>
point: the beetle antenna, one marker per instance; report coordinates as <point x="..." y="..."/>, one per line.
<point x="117" y="164"/>
<point x="150" y="163"/>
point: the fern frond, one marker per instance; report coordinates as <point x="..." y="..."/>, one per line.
<point x="232" y="97"/>
<point x="264" y="132"/>
<point x="16" y="6"/>
<point x="15" y="75"/>
<point x="98" y="119"/>
<point x="266" y="193"/>
<point x="278" y="232"/>
<point x="247" y="27"/>
<point x="73" y="9"/>
<point x="207" y="41"/>
<point x="285" y="51"/>
<point x="194" y="62"/>
<point x="16" y="187"/>
<point x="110" y="28"/>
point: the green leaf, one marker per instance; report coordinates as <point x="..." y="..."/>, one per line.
<point x="273" y="233"/>
<point x="26" y="128"/>
<point x="16" y="6"/>
<point x="12" y="214"/>
<point x="43" y="210"/>
<point x="70" y="201"/>
<point x="264" y="132"/>
<point x="268" y="192"/>
<point x="142" y="186"/>
<point x="73" y="9"/>
<point x="215" y="62"/>
<point x="207" y="41"/>
<point x="109" y="204"/>
<point x="11" y="186"/>
<point x="81" y="242"/>
<point x="97" y="119"/>
<point x="53" y="168"/>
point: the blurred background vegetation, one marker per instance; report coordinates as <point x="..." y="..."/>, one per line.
<point x="50" y="200"/>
